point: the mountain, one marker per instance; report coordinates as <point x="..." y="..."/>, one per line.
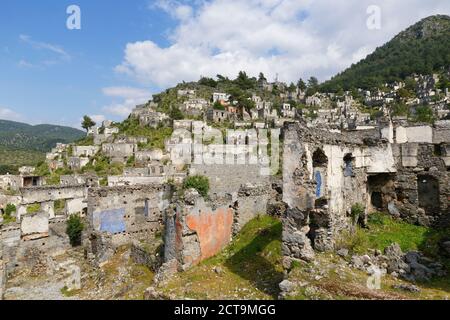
<point x="24" y="144"/>
<point x="21" y="136"/>
<point x="422" y="48"/>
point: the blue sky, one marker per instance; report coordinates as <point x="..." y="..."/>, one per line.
<point x="41" y="85"/>
<point x="127" y="50"/>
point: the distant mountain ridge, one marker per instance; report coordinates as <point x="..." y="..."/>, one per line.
<point x="42" y="138"/>
<point x="422" y="48"/>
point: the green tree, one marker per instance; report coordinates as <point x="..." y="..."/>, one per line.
<point x="292" y="87"/>
<point x="87" y="123"/>
<point x="403" y="93"/>
<point x="443" y="83"/>
<point x="209" y="82"/>
<point x="176" y="114"/>
<point x="410" y="84"/>
<point x="400" y="109"/>
<point x="313" y="82"/>
<point x="424" y="114"/>
<point x="313" y="86"/>
<point x="74" y="229"/>
<point x="218" y="106"/>
<point x="301" y="84"/>
<point x="244" y="82"/>
<point x="199" y="183"/>
<point x="261" y="78"/>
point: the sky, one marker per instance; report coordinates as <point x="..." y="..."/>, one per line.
<point x="127" y="50"/>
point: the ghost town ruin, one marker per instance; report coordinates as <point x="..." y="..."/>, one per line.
<point x="328" y="164"/>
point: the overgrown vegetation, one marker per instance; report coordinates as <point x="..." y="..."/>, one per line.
<point x="74" y="229"/>
<point x="7" y="215"/>
<point x="357" y="212"/>
<point x="199" y="183"/>
<point x="156" y="137"/>
<point x="103" y="167"/>
<point x="33" y="208"/>
<point x="59" y="206"/>
<point x="382" y="231"/>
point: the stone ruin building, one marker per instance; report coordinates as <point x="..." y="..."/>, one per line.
<point x="397" y="169"/>
<point x="403" y="171"/>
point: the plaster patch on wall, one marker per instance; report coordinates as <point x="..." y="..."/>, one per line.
<point x="214" y="230"/>
<point x="111" y="221"/>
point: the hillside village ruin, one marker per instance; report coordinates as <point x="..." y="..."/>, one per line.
<point x="333" y="154"/>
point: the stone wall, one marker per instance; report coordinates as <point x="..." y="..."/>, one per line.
<point x="196" y="229"/>
<point x="149" y="255"/>
<point x="324" y="175"/>
<point x="119" y="215"/>
<point x="52" y="193"/>
<point x="422" y="184"/>
<point x="228" y="178"/>
<point x="31" y="243"/>
<point x="73" y="195"/>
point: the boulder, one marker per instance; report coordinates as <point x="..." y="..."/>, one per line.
<point x="393" y="210"/>
<point x="190" y="196"/>
<point x="357" y="262"/>
<point x="407" y="287"/>
<point x="287" y="286"/>
<point x="342" y="252"/>
<point x="395" y="259"/>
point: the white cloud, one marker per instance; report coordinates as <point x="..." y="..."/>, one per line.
<point x="291" y="38"/>
<point x="126" y="98"/>
<point x="57" y="50"/>
<point x="175" y="8"/>
<point x="8" y="114"/>
<point x="25" y="64"/>
<point x="98" y="118"/>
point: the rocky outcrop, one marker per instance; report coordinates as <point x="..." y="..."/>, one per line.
<point x="296" y="244"/>
<point x="412" y="266"/>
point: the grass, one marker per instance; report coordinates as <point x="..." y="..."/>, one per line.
<point x="8" y="219"/>
<point x="33" y="208"/>
<point x="59" y="206"/>
<point x="382" y="232"/>
<point x="251" y="267"/>
<point x="69" y="293"/>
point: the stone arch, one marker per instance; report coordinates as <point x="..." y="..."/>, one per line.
<point x="319" y="158"/>
<point x="320" y="164"/>
<point x="349" y="165"/>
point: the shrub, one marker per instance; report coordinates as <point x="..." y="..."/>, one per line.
<point x="10" y="208"/>
<point x="199" y="183"/>
<point x="357" y="211"/>
<point x="131" y="161"/>
<point x="74" y="230"/>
